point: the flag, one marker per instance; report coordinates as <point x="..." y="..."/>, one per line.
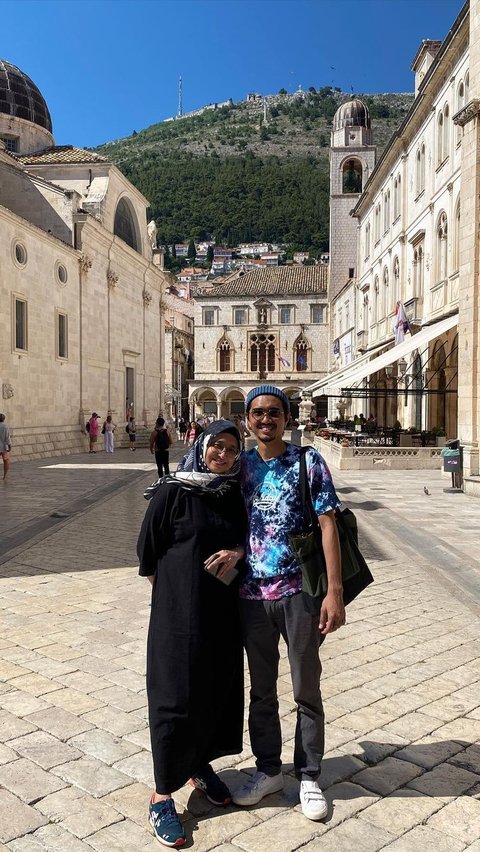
<point x="400" y="323"/>
<point x="283" y="361"/>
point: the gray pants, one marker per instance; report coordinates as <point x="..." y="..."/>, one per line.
<point x="263" y="622"/>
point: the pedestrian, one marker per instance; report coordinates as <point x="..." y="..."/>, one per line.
<point x="5" y="445"/>
<point x="242" y="428"/>
<point x="190" y="542"/>
<point x="194" y="430"/>
<point x="108" y="429"/>
<point x="92" y="429"/>
<point x="182" y="428"/>
<point x="131" y="428"/>
<point x="160" y="441"/>
<point x="272" y="605"/>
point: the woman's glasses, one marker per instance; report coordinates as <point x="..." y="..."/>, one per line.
<point x="230" y="452"/>
<point x="259" y="413"/>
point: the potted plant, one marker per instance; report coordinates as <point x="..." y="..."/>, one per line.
<point x="439" y="433"/>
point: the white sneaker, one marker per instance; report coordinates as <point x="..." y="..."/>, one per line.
<point x="258" y="786"/>
<point x="314" y="804"/>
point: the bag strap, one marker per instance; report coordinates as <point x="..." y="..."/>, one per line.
<point x="305" y="493"/>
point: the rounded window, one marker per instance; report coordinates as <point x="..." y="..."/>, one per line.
<point x="61" y="273"/>
<point x="20" y="254"/>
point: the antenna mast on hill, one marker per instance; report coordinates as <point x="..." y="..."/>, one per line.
<point x="180" y="97"/>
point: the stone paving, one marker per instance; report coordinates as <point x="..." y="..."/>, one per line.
<point x="401" y="681"/>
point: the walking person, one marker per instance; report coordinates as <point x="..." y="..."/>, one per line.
<point x="272" y="605"/>
<point x="182" y="428"/>
<point x="190" y="542"/>
<point x="108" y="429"/>
<point x="5" y="445"/>
<point x="92" y="429"/>
<point x="131" y="428"/>
<point x="160" y="442"/>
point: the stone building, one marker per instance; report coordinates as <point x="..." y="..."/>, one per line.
<point x="81" y="328"/>
<point x="266" y="325"/>
<point x="179" y="352"/>
<point x="417" y="250"/>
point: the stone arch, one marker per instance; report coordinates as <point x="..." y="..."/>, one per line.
<point x="125" y="225"/>
<point x="352" y="175"/>
<point x="231" y="401"/>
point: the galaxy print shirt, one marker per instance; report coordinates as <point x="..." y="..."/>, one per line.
<point x="271" y="492"/>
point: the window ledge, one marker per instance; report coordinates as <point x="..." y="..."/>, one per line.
<point x="441" y="165"/>
<point x="420" y="194"/>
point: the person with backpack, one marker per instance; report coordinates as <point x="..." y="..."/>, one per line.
<point x="160" y="441"/>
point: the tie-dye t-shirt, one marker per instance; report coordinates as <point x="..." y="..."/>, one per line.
<point x="271" y="492"/>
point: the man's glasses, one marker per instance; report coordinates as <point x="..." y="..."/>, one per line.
<point x="230" y="452"/>
<point x="259" y="413"/>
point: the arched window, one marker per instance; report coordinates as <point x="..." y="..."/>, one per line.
<point x="225" y="356"/>
<point x="365" y="312"/>
<point x="385" y="307"/>
<point x="396" y="197"/>
<point x="377" y="223"/>
<point x="456" y="239"/>
<point x="467" y="87"/>
<point x="446" y="131"/>
<point x="460" y="105"/>
<point x="422" y="167"/>
<point x="367" y="240"/>
<point x="442" y="245"/>
<point x="124" y="224"/>
<point x="300" y="353"/>
<point x="376" y="298"/>
<point x="396" y="295"/>
<point x="386" y="211"/>
<point x="440" y="139"/>
<point x="352" y="177"/>
<point x="262" y="353"/>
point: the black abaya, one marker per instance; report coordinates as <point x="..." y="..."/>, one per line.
<point x="194" y="651"/>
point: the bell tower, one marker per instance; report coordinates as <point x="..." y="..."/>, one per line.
<point x="352" y="158"/>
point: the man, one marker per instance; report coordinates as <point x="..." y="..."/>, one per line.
<point x="5" y="445"/>
<point x="272" y="605"/>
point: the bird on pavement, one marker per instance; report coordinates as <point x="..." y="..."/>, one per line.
<point x="425" y="490"/>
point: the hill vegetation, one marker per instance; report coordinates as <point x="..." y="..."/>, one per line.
<point x="230" y="174"/>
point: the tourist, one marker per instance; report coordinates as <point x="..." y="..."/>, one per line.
<point x="272" y="605"/>
<point x="5" y="445"/>
<point x="131" y="429"/>
<point x="190" y="542"/>
<point x="92" y="429"/>
<point x="160" y="441"/>
<point x="108" y="429"/>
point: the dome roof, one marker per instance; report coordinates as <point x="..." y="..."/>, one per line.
<point x="351" y="114"/>
<point x="20" y="98"/>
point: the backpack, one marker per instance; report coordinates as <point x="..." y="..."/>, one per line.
<point x="87" y="426"/>
<point x="162" y="441"/>
<point x="127" y="428"/>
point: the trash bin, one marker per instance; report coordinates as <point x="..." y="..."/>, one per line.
<point x="453" y="461"/>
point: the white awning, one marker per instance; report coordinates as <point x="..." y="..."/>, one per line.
<point x="361" y="369"/>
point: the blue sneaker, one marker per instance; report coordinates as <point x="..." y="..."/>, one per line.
<point x="166" y="824"/>
<point x="209" y="783"/>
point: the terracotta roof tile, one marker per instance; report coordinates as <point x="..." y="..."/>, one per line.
<point x="61" y="154"/>
<point x="273" y="281"/>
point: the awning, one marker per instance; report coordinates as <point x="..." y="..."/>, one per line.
<point x="361" y="369"/>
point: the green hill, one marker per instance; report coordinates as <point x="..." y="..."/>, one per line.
<point x="228" y="173"/>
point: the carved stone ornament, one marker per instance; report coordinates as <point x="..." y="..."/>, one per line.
<point x="147" y="298"/>
<point x="464" y="115"/>
<point x="112" y="279"/>
<point x="85" y="263"/>
<point x="7" y="390"/>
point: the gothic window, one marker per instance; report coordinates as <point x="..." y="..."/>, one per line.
<point x="225" y="360"/>
<point x="300" y="354"/>
<point x="442" y="245"/>
<point x="386" y="211"/>
<point x="385" y="301"/>
<point x="262" y="353"/>
<point x="124" y="224"/>
<point x="422" y="167"/>
<point x="367" y="240"/>
<point x="376" y="297"/>
<point x="418" y="173"/>
<point x="352" y="177"/>
<point x="377" y="223"/>
<point x="446" y="131"/>
<point x="460" y="105"/>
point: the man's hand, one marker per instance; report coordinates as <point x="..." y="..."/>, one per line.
<point x="332" y="613"/>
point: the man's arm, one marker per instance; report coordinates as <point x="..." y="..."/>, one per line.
<point x="332" y="613"/>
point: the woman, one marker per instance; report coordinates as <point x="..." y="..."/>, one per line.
<point x="92" y="430"/>
<point x="131" y="429"/>
<point x="194" y="430"/>
<point x="108" y="429"/>
<point x="191" y="539"/>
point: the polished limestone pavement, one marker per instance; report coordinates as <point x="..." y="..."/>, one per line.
<point x="401" y="681"/>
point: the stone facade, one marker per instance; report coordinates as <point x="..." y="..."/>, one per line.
<point x="82" y="326"/>
<point x="267" y="325"/>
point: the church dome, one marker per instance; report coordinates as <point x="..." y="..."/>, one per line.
<point x="20" y="97"/>
<point x="351" y="114"/>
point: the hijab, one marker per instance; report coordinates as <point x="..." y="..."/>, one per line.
<point x="193" y="473"/>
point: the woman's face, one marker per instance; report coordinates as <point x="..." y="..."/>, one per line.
<point x="222" y="453"/>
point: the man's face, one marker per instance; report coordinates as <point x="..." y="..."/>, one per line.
<point x="266" y="419"/>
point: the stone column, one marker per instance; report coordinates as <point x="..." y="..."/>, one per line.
<point x="469" y="292"/>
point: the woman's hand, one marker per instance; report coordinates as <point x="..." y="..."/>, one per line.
<point x="223" y="560"/>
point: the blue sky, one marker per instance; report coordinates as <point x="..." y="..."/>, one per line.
<point x="108" y="67"/>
